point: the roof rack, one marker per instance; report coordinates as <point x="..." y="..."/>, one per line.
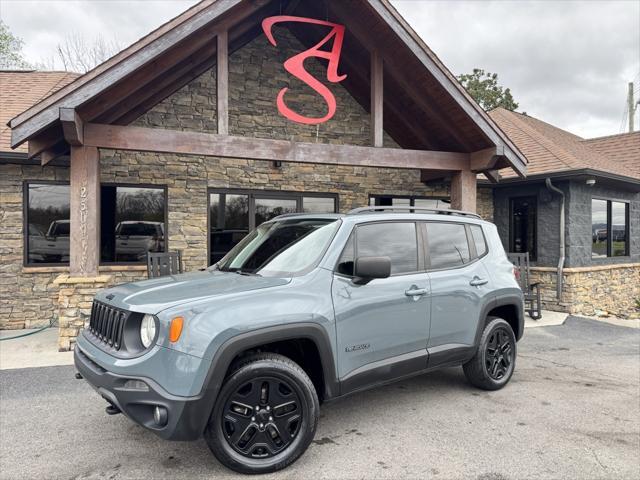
<point x="438" y="211"/>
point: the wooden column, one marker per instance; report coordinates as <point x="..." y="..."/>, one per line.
<point x="463" y="191"/>
<point x="223" y="83"/>
<point x="85" y="211"/>
<point x="377" y="99"/>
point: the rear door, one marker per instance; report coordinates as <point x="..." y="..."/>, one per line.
<point x="460" y="283"/>
<point x="383" y="325"/>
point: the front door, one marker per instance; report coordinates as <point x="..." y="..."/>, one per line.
<point x="382" y="327"/>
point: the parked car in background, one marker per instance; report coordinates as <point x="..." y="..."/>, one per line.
<point x="135" y="238"/>
<point x="306" y="308"/>
<point x="52" y="247"/>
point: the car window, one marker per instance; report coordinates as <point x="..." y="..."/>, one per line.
<point x="448" y="246"/>
<point x="395" y="240"/>
<point x="345" y="264"/>
<point x="478" y="240"/>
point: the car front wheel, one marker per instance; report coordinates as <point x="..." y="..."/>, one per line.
<point x="494" y="362"/>
<point x="265" y="416"/>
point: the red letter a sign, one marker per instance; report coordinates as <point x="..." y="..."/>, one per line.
<point x="295" y="66"/>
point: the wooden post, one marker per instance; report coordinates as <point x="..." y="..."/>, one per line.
<point x="463" y="191"/>
<point x="377" y="99"/>
<point x="223" y="83"/>
<point x="85" y="211"/>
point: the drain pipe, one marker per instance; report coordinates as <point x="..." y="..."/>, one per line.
<point x="555" y="189"/>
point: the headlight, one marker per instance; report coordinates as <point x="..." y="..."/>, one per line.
<point x="147" y="330"/>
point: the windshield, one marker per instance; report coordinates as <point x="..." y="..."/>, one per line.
<point x="281" y="248"/>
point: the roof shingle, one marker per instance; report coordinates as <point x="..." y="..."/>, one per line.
<point x="19" y="90"/>
<point x="550" y="149"/>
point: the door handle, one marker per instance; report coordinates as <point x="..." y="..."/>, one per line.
<point x="415" y="292"/>
<point x="477" y="281"/>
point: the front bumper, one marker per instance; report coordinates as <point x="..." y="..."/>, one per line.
<point x="187" y="416"/>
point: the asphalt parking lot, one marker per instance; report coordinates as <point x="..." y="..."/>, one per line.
<point x="572" y="410"/>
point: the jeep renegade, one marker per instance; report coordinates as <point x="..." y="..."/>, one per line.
<point x="306" y="308"/>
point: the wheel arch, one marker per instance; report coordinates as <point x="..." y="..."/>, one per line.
<point x="234" y="348"/>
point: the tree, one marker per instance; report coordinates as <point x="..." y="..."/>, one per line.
<point x="79" y="55"/>
<point x="11" y="50"/>
<point x="484" y="88"/>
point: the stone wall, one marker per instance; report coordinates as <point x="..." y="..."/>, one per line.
<point x="75" y="297"/>
<point x="598" y="290"/>
<point x="26" y="299"/>
<point x="484" y="203"/>
<point x="29" y="295"/>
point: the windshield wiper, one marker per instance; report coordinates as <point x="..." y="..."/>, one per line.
<point x="246" y="272"/>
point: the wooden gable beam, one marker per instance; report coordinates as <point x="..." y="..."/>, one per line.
<point x="72" y="126"/>
<point x="377" y="99"/>
<point x="58" y="150"/>
<point x="485" y="159"/>
<point x="227" y="146"/>
<point x="222" y="83"/>
<point x="44" y="141"/>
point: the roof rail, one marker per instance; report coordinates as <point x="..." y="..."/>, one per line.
<point x="438" y="211"/>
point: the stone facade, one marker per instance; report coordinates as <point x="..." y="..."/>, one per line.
<point x="75" y="297"/>
<point x="600" y="290"/>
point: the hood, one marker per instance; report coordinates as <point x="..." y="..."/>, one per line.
<point x="157" y="294"/>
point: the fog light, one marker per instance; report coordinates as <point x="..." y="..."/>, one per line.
<point x="160" y="416"/>
<point x="135" y="385"/>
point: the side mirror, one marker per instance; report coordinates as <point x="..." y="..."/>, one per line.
<point x="368" y="268"/>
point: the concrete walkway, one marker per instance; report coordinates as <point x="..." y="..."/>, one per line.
<point x="41" y="349"/>
<point x="37" y="350"/>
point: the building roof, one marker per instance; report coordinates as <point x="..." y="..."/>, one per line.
<point x="19" y="90"/>
<point x="550" y="149"/>
<point x="122" y="88"/>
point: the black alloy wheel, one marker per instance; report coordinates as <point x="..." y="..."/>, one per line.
<point x="494" y="362"/>
<point x="262" y="417"/>
<point x="498" y="354"/>
<point x="265" y="416"/>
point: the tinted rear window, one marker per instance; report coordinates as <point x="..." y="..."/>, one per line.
<point x="478" y="240"/>
<point x="447" y="243"/>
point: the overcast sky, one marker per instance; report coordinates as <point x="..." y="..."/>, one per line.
<point x="566" y="62"/>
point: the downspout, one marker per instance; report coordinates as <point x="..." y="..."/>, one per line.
<point x="555" y="189"/>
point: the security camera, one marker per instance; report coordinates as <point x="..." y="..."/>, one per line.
<point x="591" y="182"/>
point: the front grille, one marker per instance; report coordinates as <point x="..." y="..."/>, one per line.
<point x="107" y="323"/>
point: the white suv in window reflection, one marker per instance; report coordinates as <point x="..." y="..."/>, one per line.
<point x="135" y="238"/>
<point x="52" y="247"/>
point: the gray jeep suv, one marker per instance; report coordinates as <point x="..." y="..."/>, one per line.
<point x="306" y="308"/>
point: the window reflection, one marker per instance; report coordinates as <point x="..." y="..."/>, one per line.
<point x="48" y="223"/>
<point x="598" y="228"/>
<point x="318" y="205"/>
<point x="268" y="208"/>
<point x="618" y="229"/>
<point x="229" y="222"/>
<point x="448" y="245"/>
<point x="132" y="223"/>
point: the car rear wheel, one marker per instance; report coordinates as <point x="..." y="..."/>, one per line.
<point x="265" y="416"/>
<point x="493" y="364"/>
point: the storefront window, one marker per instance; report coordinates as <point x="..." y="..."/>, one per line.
<point x="47" y="223"/>
<point x="228" y="221"/>
<point x="233" y="214"/>
<point x="609" y="228"/>
<point x="132" y="223"/>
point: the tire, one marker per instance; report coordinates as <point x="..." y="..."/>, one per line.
<point x="246" y="439"/>
<point x="490" y="369"/>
